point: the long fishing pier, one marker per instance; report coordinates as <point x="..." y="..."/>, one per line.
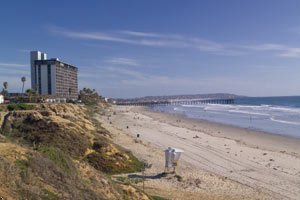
<point x="176" y="102"/>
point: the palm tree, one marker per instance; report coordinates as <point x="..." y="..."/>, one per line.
<point x="4" y="90"/>
<point x="23" y="79"/>
<point x="5" y="85"/>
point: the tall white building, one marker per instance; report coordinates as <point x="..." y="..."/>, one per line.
<point x="53" y="77"/>
<point x="35" y="55"/>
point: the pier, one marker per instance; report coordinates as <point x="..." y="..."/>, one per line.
<point x="176" y="102"/>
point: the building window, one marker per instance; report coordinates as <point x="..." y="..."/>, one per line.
<point x="39" y="80"/>
<point x="49" y="79"/>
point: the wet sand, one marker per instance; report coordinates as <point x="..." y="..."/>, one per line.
<point x="219" y="162"/>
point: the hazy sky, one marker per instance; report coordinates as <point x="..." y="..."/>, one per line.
<point x="141" y="47"/>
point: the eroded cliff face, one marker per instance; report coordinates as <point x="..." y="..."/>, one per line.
<point x="56" y="151"/>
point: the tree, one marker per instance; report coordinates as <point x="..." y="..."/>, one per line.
<point x="5" y="85"/>
<point x="23" y="79"/>
<point x="88" y="96"/>
<point x="30" y="93"/>
<point x="4" y="90"/>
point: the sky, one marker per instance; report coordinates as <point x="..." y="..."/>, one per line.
<point x="139" y="48"/>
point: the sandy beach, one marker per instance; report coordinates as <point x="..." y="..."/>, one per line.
<point x="219" y="161"/>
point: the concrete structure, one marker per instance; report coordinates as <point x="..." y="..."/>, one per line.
<point x="172" y="156"/>
<point x="53" y="77"/>
<point x="1" y="99"/>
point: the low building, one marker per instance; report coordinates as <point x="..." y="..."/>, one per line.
<point x="52" y="77"/>
<point x="1" y="99"/>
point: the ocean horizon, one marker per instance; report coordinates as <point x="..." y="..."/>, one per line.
<point x="276" y="115"/>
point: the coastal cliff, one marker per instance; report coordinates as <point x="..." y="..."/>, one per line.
<point x="57" y="151"/>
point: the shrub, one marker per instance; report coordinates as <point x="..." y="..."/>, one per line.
<point x="24" y="106"/>
<point x="19" y="106"/>
<point x="58" y="157"/>
<point x="108" y="163"/>
<point x="158" y="198"/>
<point x="11" y="107"/>
<point x="22" y="165"/>
<point x="48" y="195"/>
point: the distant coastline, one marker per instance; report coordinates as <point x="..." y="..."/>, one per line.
<point x="275" y="115"/>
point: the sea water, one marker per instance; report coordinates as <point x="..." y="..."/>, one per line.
<point x="278" y="115"/>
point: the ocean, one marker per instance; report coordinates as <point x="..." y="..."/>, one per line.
<point x="277" y="115"/>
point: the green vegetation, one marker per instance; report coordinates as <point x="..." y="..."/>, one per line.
<point x="22" y="165"/>
<point x="31" y="129"/>
<point x="2" y="108"/>
<point x="157" y="198"/>
<point x="114" y="164"/>
<point x="127" y="181"/>
<point x="56" y="164"/>
<point x="48" y="195"/>
<point x="19" y="106"/>
<point x="59" y="158"/>
<point x="89" y="96"/>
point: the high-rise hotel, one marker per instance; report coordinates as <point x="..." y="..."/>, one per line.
<point x="53" y="77"/>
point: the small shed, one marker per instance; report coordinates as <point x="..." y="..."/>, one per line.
<point x="172" y="156"/>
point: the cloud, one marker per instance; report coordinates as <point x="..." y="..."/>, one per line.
<point x="123" y="61"/>
<point x="291" y="52"/>
<point x="265" y="47"/>
<point x="140" y="34"/>
<point x="284" y="50"/>
<point x="13" y="65"/>
<point x="149" y="39"/>
<point x="13" y="69"/>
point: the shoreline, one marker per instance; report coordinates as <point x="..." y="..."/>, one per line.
<point x="262" y="125"/>
<point x="219" y="161"/>
<point x="242" y="133"/>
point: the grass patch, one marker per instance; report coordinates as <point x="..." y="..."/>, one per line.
<point x="48" y="195"/>
<point x="120" y="162"/>
<point x="19" y="106"/>
<point x="58" y="157"/>
<point x="3" y="108"/>
<point x="127" y="181"/>
<point x="22" y="165"/>
<point x="157" y="198"/>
